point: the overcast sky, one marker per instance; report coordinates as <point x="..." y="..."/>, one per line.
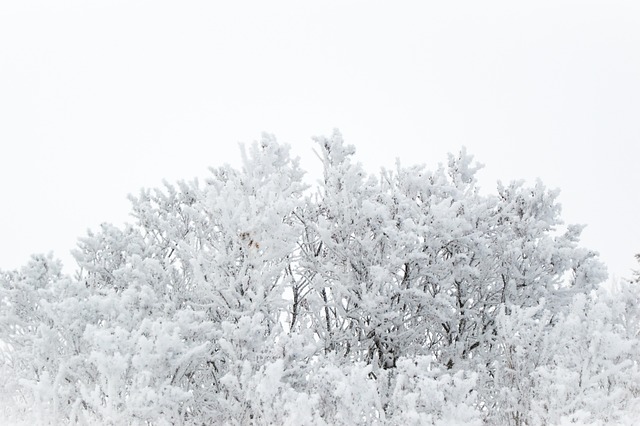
<point x="101" y="98"/>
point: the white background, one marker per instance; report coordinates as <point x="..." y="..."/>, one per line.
<point x="101" y="98"/>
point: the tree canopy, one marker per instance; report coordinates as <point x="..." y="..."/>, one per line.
<point x="254" y="298"/>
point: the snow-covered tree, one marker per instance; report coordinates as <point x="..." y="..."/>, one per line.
<point x="407" y="297"/>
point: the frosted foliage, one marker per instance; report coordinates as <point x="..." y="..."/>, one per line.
<point x="576" y="366"/>
<point x="405" y="298"/>
<point x="424" y="395"/>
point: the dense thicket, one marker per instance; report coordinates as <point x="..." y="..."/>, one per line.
<point x="406" y="298"/>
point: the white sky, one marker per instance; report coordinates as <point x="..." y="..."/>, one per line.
<point x="101" y="98"/>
